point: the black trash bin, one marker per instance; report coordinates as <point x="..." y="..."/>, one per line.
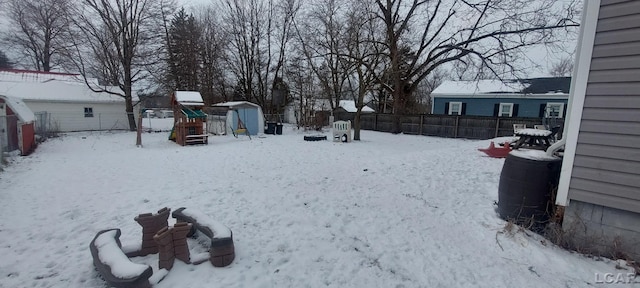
<point x="271" y="128"/>
<point x="526" y="188"/>
<point x="279" y="128"/>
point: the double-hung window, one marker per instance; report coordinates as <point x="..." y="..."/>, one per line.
<point x="455" y="108"/>
<point x="554" y="110"/>
<point x="506" y="110"/>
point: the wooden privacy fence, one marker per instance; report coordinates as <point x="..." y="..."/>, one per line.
<point x="450" y="126"/>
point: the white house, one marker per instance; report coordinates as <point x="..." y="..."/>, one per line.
<point x="64" y="103"/>
<point x="311" y="106"/>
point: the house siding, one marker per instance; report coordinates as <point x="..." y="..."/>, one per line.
<point x="527" y="107"/>
<point x="67" y="117"/>
<point x="606" y="169"/>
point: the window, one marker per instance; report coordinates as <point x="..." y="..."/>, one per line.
<point x="506" y="110"/>
<point x="455" y="108"/>
<point x="88" y="112"/>
<point x="554" y="110"/>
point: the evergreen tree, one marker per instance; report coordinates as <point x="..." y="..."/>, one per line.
<point x="4" y="61"/>
<point x="184" y="37"/>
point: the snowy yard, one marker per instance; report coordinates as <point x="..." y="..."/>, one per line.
<point x="389" y="211"/>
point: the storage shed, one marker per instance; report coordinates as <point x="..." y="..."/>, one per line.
<point x="17" y="126"/>
<point x="249" y="114"/>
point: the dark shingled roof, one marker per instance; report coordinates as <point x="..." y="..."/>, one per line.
<point x="547" y="85"/>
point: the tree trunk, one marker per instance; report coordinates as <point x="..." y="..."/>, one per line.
<point x="356" y="124"/>
<point x="128" y="99"/>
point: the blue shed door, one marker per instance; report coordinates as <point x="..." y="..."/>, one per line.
<point x="249" y="118"/>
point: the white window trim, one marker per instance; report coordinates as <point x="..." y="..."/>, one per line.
<point x="451" y="110"/>
<point x="510" y="109"/>
<point x="560" y="112"/>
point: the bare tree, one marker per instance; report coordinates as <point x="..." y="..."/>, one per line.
<point x="116" y="40"/>
<point x="37" y="28"/>
<point x="562" y="68"/>
<point x="321" y="41"/>
<point x="244" y="22"/>
<point x="214" y="83"/>
<point x="489" y="33"/>
<point x="364" y="53"/>
<point x="259" y="32"/>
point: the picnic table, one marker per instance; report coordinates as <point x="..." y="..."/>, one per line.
<point x="533" y="138"/>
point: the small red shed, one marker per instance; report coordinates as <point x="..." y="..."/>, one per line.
<point x="17" y="126"/>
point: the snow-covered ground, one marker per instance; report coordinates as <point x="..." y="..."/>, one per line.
<point x="388" y="211"/>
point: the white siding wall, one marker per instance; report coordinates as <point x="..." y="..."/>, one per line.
<point x="67" y="116"/>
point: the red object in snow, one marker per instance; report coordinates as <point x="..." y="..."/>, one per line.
<point x="497" y="152"/>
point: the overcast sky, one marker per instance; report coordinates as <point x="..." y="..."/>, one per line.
<point x="541" y="55"/>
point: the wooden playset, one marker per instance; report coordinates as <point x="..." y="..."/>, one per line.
<point x="189" y="126"/>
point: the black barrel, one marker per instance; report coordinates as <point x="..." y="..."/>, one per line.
<point x="279" y="129"/>
<point x="271" y="128"/>
<point x="526" y="188"/>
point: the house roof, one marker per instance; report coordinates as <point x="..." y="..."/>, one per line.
<point x="189" y="98"/>
<point x="17" y="75"/>
<point x="547" y="85"/>
<point x="20" y="109"/>
<point x="57" y="91"/>
<point x="350" y="106"/>
<point x="236" y="104"/>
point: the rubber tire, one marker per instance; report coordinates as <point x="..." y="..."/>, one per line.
<point x="344" y="138"/>
<point x="315" y="138"/>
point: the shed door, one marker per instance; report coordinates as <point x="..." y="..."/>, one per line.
<point x="249" y="118"/>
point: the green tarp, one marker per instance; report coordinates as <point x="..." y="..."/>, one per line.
<point x="193" y="113"/>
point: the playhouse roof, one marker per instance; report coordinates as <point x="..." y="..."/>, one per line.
<point x="189" y="98"/>
<point x="193" y="113"/>
<point x="20" y="109"/>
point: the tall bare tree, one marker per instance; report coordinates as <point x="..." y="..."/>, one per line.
<point x="490" y="33"/>
<point x="364" y="53"/>
<point x="215" y="84"/>
<point x="321" y="38"/>
<point x="115" y="41"/>
<point x="36" y="30"/>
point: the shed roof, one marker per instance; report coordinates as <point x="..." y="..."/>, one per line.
<point x="57" y="91"/>
<point x="236" y="104"/>
<point x="20" y="109"/>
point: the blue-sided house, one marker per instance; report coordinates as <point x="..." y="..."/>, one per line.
<point x="537" y="97"/>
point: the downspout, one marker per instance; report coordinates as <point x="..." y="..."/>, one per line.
<point x="577" y="95"/>
<point x="574" y="77"/>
